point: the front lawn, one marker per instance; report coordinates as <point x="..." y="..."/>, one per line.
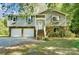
<point x="52" y="47"/>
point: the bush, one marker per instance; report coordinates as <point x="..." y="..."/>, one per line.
<point x="46" y="39"/>
<point x="67" y="34"/>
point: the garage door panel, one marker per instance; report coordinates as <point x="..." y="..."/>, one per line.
<point x="16" y="33"/>
<point x="28" y="32"/>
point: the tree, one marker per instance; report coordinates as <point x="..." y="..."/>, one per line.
<point x="8" y="8"/>
<point x="26" y="8"/>
<point x="75" y="22"/>
<point x="72" y="11"/>
<point x="53" y="5"/>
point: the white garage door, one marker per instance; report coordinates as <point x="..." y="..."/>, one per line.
<point x="16" y="32"/>
<point x="28" y="32"/>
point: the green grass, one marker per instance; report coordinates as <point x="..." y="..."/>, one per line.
<point x="60" y="46"/>
<point x="61" y="43"/>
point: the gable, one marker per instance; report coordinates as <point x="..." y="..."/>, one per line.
<point x="53" y="12"/>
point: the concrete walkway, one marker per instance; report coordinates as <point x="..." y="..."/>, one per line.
<point x="9" y="41"/>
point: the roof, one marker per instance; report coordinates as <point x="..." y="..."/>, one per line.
<point x="16" y="14"/>
<point x="45" y="11"/>
<point x="49" y="11"/>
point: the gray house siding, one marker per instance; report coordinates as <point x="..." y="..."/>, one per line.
<point x="21" y="22"/>
<point x="62" y="19"/>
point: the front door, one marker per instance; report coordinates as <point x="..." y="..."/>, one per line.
<point x="40" y="24"/>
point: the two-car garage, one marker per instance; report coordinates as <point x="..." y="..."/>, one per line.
<point x="22" y="32"/>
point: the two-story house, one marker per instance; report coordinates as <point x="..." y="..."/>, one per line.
<point x="37" y="24"/>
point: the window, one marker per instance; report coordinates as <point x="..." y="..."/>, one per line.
<point x="10" y="17"/>
<point x="40" y="16"/>
<point x="56" y="29"/>
<point x="29" y="20"/>
<point x="55" y="18"/>
<point x="14" y="20"/>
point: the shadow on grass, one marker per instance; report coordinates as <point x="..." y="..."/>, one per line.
<point x="61" y="43"/>
<point x="56" y="47"/>
<point x="52" y="47"/>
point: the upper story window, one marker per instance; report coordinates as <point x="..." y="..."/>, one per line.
<point x="55" y="20"/>
<point x="29" y="20"/>
<point x="12" y="19"/>
<point x="40" y="16"/>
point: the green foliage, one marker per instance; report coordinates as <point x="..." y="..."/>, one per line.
<point x="26" y="8"/>
<point x="72" y="11"/>
<point x="3" y="28"/>
<point x="55" y="6"/>
<point x="75" y="22"/>
<point x="46" y="39"/>
<point x="66" y="7"/>
<point x="51" y="5"/>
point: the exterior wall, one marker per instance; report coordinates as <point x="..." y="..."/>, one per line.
<point x="59" y="32"/>
<point x="62" y="19"/>
<point x="20" y="22"/>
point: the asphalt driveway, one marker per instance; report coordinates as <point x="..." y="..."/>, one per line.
<point x="9" y="41"/>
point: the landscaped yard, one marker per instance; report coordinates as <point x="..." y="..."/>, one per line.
<point x="52" y="47"/>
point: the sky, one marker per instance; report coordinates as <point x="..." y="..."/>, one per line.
<point x="8" y="8"/>
<point x="14" y="8"/>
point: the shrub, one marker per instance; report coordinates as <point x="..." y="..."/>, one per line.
<point x="46" y="39"/>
